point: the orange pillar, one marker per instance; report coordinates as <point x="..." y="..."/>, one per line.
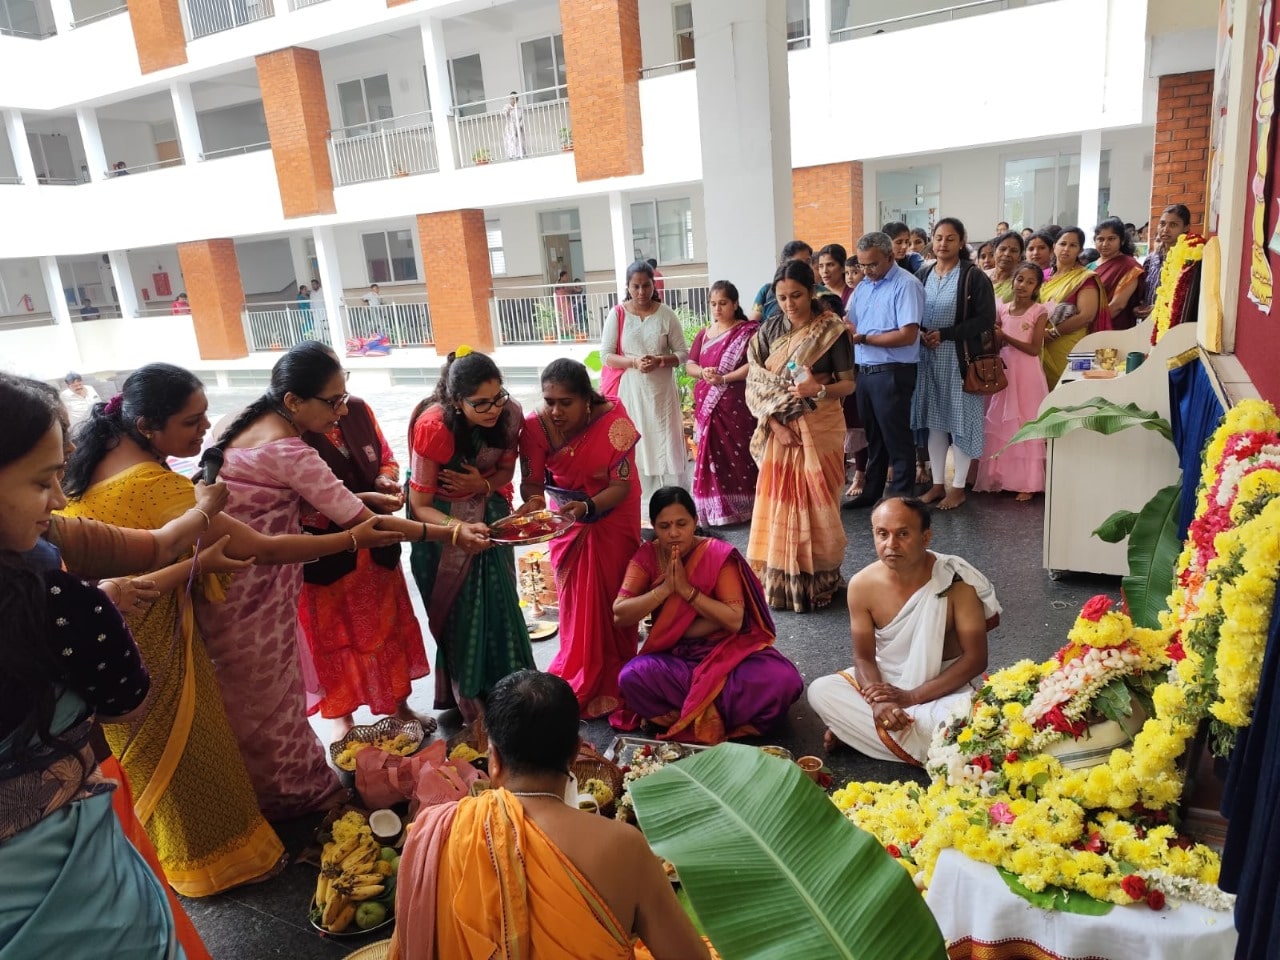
<point x="827" y="200"/>
<point x="157" y="33"/>
<point x="602" y="64"/>
<point x="211" y="274"/>
<point x="297" y="114"/>
<point x="1180" y="161"/>
<point x="455" y="259"/>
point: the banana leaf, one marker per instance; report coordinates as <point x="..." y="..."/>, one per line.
<point x="1099" y="415"/>
<point x="772" y="868"/>
<point x="1117" y="526"/>
<point x="1153" y="551"/>
<point x="593" y="361"/>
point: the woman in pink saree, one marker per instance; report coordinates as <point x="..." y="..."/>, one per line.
<point x="724" y="473"/>
<point x="579" y="448"/>
<point x="709" y="670"/>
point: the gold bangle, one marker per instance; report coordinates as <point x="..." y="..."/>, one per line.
<point x="355" y="544"/>
<point x="693" y="595"/>
<point x="424" y="532"/>
<point x="207" y="521"/>
<point x="488" y="487"/>
<point x="457" y="529"/>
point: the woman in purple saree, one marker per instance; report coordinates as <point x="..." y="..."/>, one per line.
<point x="724" y="472"/>
<point x="708" y="670"/>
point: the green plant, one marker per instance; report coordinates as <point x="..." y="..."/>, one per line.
<point x="544" y="318"/>
<point x="1152" y="531"/>
<point x="690" y="323"/>
<point x="566" y="137"/>
<point x="771" y="867"/>
<point x="480" y="156"/>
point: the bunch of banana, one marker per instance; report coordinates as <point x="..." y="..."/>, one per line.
<point x="351" y="871"/>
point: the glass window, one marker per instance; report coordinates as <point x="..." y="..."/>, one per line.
<point x="497" y="259"/>
<point x="468" y="85"/>
<point x="363" y="101"/>
<point x="644" y="231"/>
<point x="1044" y="190"/>
<point x="389" y="256"/>
<point x="798" y="24"/>
<point x="682" y="15"/>
<point x="911" y="195"/>
<point x="663" y="230"/>
<point x="544" y="72"/>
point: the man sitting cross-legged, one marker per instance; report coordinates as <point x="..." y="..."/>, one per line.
<point x="919" y="621"/>
<point x="516" y="873"/>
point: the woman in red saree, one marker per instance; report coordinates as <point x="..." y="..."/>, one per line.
<point x="724" y="475"/>
<point x="579" y="448"/>
<point x="709" y="670"/>
<point x="1119" y="272"/>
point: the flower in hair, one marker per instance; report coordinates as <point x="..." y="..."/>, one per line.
<point x="462" y="351"/>
<point x="113" y="405"/>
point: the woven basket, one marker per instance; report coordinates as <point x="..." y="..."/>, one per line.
<point x="374" y="951"/>
<point x="473" y="735"/>
<point x="387" y="727"/>
<point x="598" y="768"/>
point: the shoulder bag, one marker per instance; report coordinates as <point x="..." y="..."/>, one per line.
<point x="610" y="377"/>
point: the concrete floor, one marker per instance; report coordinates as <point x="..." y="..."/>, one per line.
<point x="999" y="536"/>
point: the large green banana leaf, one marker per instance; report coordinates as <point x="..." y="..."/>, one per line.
<point x="1099" y="415"/>
<point x="773" y="869"/>
<point x="1153" y="552"/>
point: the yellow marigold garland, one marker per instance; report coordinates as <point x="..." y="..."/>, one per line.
<point x="1189" y="249"/>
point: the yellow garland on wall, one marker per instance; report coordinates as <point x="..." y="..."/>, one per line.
<point x="1189" y="249"/>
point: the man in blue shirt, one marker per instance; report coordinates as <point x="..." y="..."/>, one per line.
<point x="885" y="312"/>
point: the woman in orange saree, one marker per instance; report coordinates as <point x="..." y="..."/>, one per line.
<point x="709" y="671"/>
<point x="579" y="448"/>
<point x="801" y="368"/>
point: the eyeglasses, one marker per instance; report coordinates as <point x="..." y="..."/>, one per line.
<point x="484" y="406"/>
<point x="334" y="402"/>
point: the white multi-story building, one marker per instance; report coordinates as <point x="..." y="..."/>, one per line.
<point x="461" y="153"/>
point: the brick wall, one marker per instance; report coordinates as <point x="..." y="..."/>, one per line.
<point x="1180" y="163"/>
<point x="827" y="203"/>
<point x="157" y="33"/>
<point x="455" y="258"/>
<point x="298" y="120"/>
<point x="211" y="274"/>
<point x="602" y="61"/>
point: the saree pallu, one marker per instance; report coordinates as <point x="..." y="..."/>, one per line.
<point x="797" y="539"/>
<point x="724" y="474"/>
<point x="1060" y="293"/>
<point x="74" y="888"/>
<point x="708" y="689"/>
<point x="193" y="794"/>
<point x="1114" y="274"/>
<point x="591" y="558"/>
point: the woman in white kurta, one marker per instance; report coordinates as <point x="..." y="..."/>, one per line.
<point x="643" y="339"/>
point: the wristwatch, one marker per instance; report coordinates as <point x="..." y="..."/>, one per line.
<point x="822" y="392"/>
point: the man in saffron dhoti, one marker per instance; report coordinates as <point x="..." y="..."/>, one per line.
<point x="919" y="621"/>
<point x="517" y="872"/>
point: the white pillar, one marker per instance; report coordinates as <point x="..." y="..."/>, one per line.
<point x="330" y="285"/>
<point x="621" y="234"/>
<point x="301" y="260"/>
<point x="69" y="347"/>
<point x="62" y="16"/>
<point x="91" y="138"/>
<point x="439" y="90"/>
<point x="15" y="128"/>
<point x="184" y="116"/>
<point x="1090" y="181"/>
<point x="122" y="278"/>
<point x="744" y="121"/>
<point x="820" y="24"/>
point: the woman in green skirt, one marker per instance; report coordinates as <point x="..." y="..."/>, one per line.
<point x="465" y="439"/>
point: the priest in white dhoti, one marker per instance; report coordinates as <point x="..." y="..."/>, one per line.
<point x="919" y="622"/>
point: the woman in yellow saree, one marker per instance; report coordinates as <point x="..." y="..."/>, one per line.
<point x="801" y="368"/>
<point x="1076" y="302"/>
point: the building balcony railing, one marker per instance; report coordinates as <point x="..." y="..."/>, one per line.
<point x="10" y="180"/>
<point x="924" y="17"/>
<point x="486" y="132"/>
<point x="663" y="69"/>
<point x="144" y="168"/>
<point x="283" y="324"/>
<point x="94" y="18"/>
<point x="203" y="17"/>
<point x="394" y="147"/>
<point x="299" y="4"/>
<point x="20" y="321"/>
<point x="406" y="323"/>
<point x="61" y="181"/>
<point x="236" y="151"/>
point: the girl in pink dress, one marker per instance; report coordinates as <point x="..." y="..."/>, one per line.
<point x="259" y="654"/>
<point x="1020" y="327"/>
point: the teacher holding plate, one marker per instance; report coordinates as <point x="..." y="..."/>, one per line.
<point x="465" y="440"/>
<point x="579" y="448"/>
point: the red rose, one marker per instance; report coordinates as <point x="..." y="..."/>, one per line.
<point x="1155" y="899"/>
<point x="893" y="851"/>
<point x="1175" y="652"/>
<point x="1056" y="719"/>
<point x="1011" y="756"/>
<point x="1134" y="886"/>
<point x="1095" y="843"/>
<point x="982" y="762"/>
<point x="1096" y="607"/>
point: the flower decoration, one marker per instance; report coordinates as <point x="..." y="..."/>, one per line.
<point x="1175" y="284"/>
<point x="462" y="351"/>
